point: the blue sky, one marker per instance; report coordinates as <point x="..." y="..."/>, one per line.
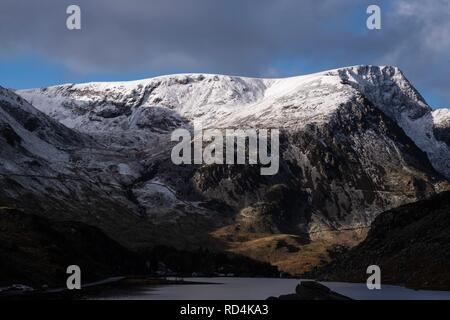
<point x="128" y="40"/>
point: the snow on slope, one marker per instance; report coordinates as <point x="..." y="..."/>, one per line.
<point x="26" y="128"/>
<point x="441" y="118"/>
<point x="389" y="90"/>
<point x="133" y="109"/>
<point x="209" y="99"/>
<point x="190" y="96"/>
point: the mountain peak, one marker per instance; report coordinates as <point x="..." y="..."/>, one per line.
<point x="166" y="102"/>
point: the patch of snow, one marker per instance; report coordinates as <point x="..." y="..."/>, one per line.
<point x="441" y="117"/>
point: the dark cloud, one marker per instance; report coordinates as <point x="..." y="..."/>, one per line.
<point x="247" y="37"/>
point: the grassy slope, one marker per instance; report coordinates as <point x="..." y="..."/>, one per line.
<point x="292" y="254"/>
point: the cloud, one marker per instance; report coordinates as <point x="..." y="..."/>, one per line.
<point x="422" y="30"/>
<point x="251" y="37"/>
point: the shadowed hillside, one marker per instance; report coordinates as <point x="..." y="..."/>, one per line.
<point x="411" y="244"/>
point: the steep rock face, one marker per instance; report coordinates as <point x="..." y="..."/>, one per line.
<point x="355" y="142"/>
<point x="27" y="131"/>
<point x="389" y="90"/>
<point x="341" y="174"/>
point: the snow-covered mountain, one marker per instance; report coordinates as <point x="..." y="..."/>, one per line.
<point x="124" y="112"/>
<point x="355" y="142"/>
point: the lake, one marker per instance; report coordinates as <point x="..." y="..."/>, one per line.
<point x="259" y="289"/>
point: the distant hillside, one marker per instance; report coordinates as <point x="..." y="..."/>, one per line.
<point x="411" y="244"/>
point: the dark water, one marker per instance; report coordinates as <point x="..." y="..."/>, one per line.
<point x="260" y="289"/>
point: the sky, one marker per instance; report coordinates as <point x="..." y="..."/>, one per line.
<point x="132" y="39"/>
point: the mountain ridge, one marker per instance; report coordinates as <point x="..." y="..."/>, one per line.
<point x="223" y="101"/>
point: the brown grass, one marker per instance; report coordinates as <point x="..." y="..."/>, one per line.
<point x="293" y="254"/>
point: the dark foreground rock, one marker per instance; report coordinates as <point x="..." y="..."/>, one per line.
<point x="36" y="251"/>
<point x="311" y="290"/>
<point x="411" y="245"/>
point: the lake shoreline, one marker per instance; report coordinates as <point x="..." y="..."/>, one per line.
<point x="135" y="283"/>
<point x="93" y="288"/>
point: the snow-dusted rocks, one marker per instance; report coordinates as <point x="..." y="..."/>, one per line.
<point x="441" y="126"/>
<point x="128" y="113"/>
<point x="389" y="90"/>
